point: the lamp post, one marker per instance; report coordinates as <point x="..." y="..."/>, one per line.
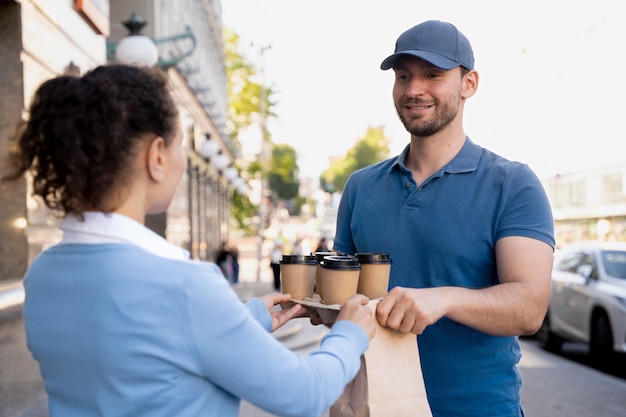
<point x="211" y="152"/>
<point x="136" y="48"/>
<point x="139" y="49"/>
<point x="209" y="148"/>
<point x="263" y="209"/>
<point x="231" y="174"/>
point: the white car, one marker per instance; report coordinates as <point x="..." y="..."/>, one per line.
<point x="588" y="300"/>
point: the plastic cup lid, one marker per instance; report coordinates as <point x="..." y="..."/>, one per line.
<point x="298" y="259"/>
<point x="373" y="258"/>
<point x="340" y="262"/>
<point x="321" y="255"/>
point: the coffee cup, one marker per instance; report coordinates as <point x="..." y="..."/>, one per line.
<point x="319" y="257"/>
<point x="297" y="274"/>
<point x="340" y="278"/>
<point x="374" y="275"/>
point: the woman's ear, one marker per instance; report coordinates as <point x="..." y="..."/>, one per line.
<point x="156" y="159"/>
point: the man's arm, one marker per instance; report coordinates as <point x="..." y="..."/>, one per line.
<point x="516" y="306"/>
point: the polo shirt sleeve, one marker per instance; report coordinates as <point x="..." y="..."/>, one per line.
<point x="528" y="212"/>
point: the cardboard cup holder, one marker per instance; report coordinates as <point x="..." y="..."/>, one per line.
<point x="327" y="313"/>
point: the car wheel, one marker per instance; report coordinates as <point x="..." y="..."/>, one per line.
<point x="548" y="340"/>
<point x="601" y="344"/>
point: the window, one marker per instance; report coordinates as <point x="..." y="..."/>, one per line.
<point x="570" y="262"/>
<point x="613" y="189"/>
<point x="614" y="263"/>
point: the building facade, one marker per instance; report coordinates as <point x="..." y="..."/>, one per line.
<point x="40" y="39"/>
<point x="589" y="204"/>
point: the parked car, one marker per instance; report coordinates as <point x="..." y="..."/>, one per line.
<point x="588" y="300"/>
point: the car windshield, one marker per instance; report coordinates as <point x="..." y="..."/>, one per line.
<point x="614" y="263"/>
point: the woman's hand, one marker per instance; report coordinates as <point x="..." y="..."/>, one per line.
<point x="356" y="310"/>
<point x="280" y="317"/>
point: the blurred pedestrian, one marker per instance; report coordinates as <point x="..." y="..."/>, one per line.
<point x="322" y="245"/>
<point x="234" y="252"/>
<point x="296" y="248"/>
<point x="275" y="256"/>
<point x="227" y="260"/>
<point x="122" y="322"/>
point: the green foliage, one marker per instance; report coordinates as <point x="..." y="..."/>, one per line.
<point x="250" y="103"/>
<point x="245" y="94"/>
<point x="370" y="149"/>
<point x="299" y="202"/>
<point x="243" y="211"/>
<point x="283" y="173"/>
<point x="243" y="110"/>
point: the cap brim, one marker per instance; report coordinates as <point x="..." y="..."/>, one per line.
<point x="435" y="59"/>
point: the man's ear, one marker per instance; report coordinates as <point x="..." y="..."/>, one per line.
<point x="470" y="84"/>
<point x="156" y="159"/>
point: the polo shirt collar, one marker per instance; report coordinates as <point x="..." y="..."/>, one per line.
<point x="465" y="161"/>
<point x="99" y="227"/>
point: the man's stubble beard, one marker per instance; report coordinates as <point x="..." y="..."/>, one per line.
<point x="444" y="116"/>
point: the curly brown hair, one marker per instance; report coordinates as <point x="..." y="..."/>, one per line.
<point x="82" y="134"/>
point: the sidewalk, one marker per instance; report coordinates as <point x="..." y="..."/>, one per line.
<point x="255" y="277"/>
<point x="557" y="387"/>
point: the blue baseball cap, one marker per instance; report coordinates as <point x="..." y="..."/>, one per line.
<point x="437" y="42"/>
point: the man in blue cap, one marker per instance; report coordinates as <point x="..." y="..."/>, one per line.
<point x="470" y="233"/>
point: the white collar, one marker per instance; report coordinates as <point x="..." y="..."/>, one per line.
<point x="101" y="227"/>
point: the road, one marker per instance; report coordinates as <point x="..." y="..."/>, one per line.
<point x="579" y="353"/>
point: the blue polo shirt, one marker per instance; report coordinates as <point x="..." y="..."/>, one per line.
<point x="443" y="233"/>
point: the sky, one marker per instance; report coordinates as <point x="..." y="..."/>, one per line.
<point x="552" y="75"/>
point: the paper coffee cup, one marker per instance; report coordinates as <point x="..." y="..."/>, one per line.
<point x="374" y="275"/>
<point x="340" y="278"/>
<point x="297" y="273"/>
<point x="319" y="285"/>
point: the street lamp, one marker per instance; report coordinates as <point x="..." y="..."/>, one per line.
<point x="209" y="148"/>
<point x="136" y="48"/>
<point x="240" y="186"/>
<point x="221" y="161"/>
<point x="210" y="151"/>
<point x="231" y="173"/>
<point x="139" y="49"/>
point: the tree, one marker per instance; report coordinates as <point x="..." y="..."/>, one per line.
<point x="283" y="172"/>
<point x="370" y="149"/>
<point x="245" y="94"/>
<point x="251" y="102"/>
<point x="244" y="110"/>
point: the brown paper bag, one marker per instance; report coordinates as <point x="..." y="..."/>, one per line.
<point x="390" y="381"/>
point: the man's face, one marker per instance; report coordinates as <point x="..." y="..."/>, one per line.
<point x="427" y="98"/>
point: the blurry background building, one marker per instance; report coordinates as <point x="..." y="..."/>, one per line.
<point x="589" y="204"/>
<point x="40" y="39"/>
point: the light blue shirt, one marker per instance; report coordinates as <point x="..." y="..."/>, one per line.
<point x="122" y="323"/>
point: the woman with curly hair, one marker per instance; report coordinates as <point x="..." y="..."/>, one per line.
<point x="123" y="323"/>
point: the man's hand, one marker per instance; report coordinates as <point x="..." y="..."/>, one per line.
<point x="514" y="306"/>
<point x="410" y="310"/>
